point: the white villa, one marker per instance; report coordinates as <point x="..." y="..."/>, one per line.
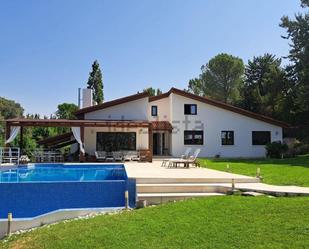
<point x="180" y="119"/>
<point x="166" y="125"/>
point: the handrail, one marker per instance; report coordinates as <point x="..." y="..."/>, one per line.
<point x="9" y="155"/>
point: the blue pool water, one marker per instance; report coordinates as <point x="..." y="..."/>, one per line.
<point x="62" y="173"/>
<point x="41" y="188"/>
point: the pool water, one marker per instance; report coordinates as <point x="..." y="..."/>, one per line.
<point x="29" y="191"/>
<point x="62" y="173"/>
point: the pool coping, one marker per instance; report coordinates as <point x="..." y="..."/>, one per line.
<point x="54" y="216"/>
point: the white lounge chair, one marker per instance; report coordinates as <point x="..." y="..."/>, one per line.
<point x="186" y="162"/>
<point x="100" y="155"/>
<point x="184" y="156"/>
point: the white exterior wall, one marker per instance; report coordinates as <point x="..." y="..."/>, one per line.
<point x="213" y="120"/>
<point x="133" y="110"/>
<point x="163" y="110"/>
<point x="91" y="137"/>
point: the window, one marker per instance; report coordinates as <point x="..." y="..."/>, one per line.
<point x="227" y="137"/>
<point x="154" y="110"/>
<point x="115" y="141"/>
<point x="193" y="137"/>
<point x="190" y="109"/>
<point x="260" y="137"/>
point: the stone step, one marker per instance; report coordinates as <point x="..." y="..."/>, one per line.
<point x="158" y="198"/>
<point x="180" y="188"/>
<point x="146" y="180"/>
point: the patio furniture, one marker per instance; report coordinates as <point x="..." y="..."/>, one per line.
<point x="191" y="160"/>
<point x="100" y="155"/>
<point x="135" y="156"/>
<point x="184" y="156"/>
<point x="109" y="157"/>
<point x="127" y="155"/>
<point x="118" y="156"/>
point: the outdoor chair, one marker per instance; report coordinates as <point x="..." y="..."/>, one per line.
<point x="118" y="156"/>
<point x="109" y="157"/>
<point x="135" y="156"/>
<point x="127" y="155"/>
<point x="184" y="156"/>
<point x="186" y="162"/>
<point x="100" y="155"/>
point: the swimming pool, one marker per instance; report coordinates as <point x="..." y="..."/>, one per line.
<point x="29" y="191"/>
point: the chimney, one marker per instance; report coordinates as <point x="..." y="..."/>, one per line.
<point x="87" y="98"/>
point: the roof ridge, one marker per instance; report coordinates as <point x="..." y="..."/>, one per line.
<point x="113" y="102"/>
<point x="220" y="104"/>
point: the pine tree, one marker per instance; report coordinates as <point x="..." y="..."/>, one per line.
<point x="95" y="82"/>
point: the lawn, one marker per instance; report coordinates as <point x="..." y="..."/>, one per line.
<point x="291" y="171"/>
<point x="214" y="222"/>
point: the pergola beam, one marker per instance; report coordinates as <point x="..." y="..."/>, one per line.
<point x="76" y="123"/>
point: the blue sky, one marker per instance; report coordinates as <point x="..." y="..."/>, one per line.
<point x="47" y="47"/>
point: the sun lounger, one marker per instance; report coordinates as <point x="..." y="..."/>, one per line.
<point x="184" y="156"/>
<point x="186" y="162"/>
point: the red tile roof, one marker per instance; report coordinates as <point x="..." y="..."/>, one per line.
<point x="161" y="126"/>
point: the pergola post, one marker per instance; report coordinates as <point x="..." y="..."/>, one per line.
<point x="82" y="137"/>
<point x="150" y="142"/>
<point x="21" y="139"/>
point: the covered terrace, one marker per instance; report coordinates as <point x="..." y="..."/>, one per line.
<point x="16" y="126"/>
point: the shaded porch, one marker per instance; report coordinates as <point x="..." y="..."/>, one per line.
<point x="85" y="127"/>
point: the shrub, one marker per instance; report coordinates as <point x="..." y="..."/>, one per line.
<point x="276" y="149"/>
<point x="301" y="149"/>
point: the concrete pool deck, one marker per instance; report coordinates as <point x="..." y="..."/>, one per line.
<point x="156" y="181"/>
<point x="150" y="171"/>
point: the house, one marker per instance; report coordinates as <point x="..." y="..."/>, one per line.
<point x="168" y="123"/>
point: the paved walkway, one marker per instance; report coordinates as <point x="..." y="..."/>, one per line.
<point x="220" y="178"/>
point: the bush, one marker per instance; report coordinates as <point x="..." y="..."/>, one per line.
<point x="276" y="149"/>
<point x="301" y="149"/>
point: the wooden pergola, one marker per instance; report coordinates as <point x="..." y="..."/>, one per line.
<point x="82" y="123"/>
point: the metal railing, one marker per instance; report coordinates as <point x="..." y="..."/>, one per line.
<point x="47" y="156"/>
<point x="9" y="155"/>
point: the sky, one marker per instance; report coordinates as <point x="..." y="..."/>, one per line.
<point x="47" y="47"/>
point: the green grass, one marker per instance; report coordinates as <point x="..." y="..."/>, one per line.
<point x="215" y="222"/>
<point x="291" y="171"/>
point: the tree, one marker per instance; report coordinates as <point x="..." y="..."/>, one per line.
<point x="66" y="111"/>
<point x="95" y="82"/>
<point x="298" y="35"/>
<point x="152" y="91"/>
<point x="220" y="78"/>
<point x="8" y="109"/>
<point x="265" y="82"/>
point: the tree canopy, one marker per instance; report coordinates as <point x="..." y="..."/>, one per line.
<point x="298" y="71"/>
<point x="264" y="85"/>
<point x="95" y="82"/>
<point x="220" y="78"/>
<point x="152" y="91"/>
<point x="66" y="111"/>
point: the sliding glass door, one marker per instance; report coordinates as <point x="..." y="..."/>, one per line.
<point x="116" y="141"/>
